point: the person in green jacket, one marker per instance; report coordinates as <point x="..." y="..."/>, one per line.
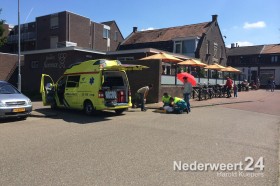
<point x="179" y="105"/>
<point x="166" y="99"/>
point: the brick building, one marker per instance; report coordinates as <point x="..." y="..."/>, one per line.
<point x="261" y="61"/>
<point x="202" y="40"/>
<point x="65" y="29"/>
<point x="53" y="42"/>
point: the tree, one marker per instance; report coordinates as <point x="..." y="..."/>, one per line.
<point x="3" y="40"/>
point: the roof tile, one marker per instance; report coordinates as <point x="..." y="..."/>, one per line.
<point x="167" y="34"/>
<point x="271" y="49"/>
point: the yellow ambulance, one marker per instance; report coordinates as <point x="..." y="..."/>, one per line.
<point x="90" y="86"/>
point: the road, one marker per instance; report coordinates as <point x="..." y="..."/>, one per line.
<point x="139" y="148"/>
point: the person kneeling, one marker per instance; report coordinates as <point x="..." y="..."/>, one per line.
<point x="177" y="105"/>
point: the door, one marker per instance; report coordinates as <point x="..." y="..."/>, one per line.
<point x="71" y="91"/>
<point x="61" y="83"/>
<point x="47" y="89"/>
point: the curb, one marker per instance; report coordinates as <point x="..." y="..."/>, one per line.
<point x="42" y="115"/>
<point x="208" y="105"/>
<point x="214" y="104"/>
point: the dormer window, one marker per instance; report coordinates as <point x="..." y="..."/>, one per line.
<point x="178" y="47"/>
<point x="186" y="46"/>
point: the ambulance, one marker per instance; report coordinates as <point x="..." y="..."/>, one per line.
<point x="91" y="86"/>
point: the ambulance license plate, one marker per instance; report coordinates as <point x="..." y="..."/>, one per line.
<point x="19" y="110"/>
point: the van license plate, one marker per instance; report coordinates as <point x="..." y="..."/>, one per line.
<point x="19" y="110"/>
<point x="110" y="95"/>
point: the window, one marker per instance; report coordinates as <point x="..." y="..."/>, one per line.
<point x="178" y="47"/>
<point x="125" y="58"/>
<point x="53" y="42"/>
<point x="73" y="81"/>
<point x="215" y="50"/>
<point x="208" y="47"/>
<point x="25" y="27"/>
<point x="116" y="36"/>
<point x="54" y="21"/>
<point x="114" y="81"/>
<point x="186" y="47"/>
<point x="106" y="31"/>
<point x="34" y="64"/>
<point x="274" y="59"/>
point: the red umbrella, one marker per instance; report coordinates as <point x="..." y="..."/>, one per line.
<point x="190" y="77"/>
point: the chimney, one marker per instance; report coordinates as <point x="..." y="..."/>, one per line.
<point x="134" y="29"/>
<point x="214" y="18"/>
<point x="232" y="45"/>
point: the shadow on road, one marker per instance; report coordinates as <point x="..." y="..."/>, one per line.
<point x="9" y="120"/>
<point x="75" y="116"/>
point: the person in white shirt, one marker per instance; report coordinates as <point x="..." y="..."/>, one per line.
<point x="143" y="92"/>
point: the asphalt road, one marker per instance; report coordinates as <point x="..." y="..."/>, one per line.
<point x="139" y="148"/>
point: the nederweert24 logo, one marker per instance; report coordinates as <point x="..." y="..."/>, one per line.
<point x="246" y="167"/>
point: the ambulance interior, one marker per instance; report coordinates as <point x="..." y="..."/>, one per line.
<point x="115" y="86"/>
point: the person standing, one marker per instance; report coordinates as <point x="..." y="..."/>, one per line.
<point x="187" y="90"/>
<point x="143" y="92"/>
<point x="228" y="87"/>
<point x="268" y="85"/>
<point x="272" y="85"/>
<point x="258" y="82"/>
<point x="235" y="89"/>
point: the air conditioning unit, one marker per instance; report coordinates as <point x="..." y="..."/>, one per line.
<point x="66" y="44"/>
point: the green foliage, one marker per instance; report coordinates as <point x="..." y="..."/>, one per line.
<point x="3" y="40"/>
<point x="201" y="73"/>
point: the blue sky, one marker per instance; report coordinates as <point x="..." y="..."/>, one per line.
<point x="247" y="22"/>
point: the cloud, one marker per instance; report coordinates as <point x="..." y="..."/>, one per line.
<point x="150" y="28"/>
<point x="241" y="43"/>
<point x="259" y="24"/>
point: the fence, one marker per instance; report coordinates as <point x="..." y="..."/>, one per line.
<point x="170" y="80"/>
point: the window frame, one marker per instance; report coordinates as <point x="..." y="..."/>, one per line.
<point x="54" y="21"/>
<point x="73" y="80"/>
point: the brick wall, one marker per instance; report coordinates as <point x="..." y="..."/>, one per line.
<point x="138" y="79"/>
<point x="8" y="65"/>
<point x="53" y="64"/>
<point x="79" y="30"/>
<point x="173" y="90"/>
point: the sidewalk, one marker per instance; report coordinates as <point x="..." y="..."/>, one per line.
<point x="250" y="96"/>
<point x="253" y="95"/>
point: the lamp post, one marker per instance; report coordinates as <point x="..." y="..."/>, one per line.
<point x="259" y="65"/>
<point x="19" y="75"/>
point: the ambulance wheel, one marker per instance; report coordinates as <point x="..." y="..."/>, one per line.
<point x="88" y="108"/>
<point x="119" y="111"/>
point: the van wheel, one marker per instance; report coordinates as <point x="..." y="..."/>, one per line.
<point x="88" y="108"/>
<point x="119" y="111"/>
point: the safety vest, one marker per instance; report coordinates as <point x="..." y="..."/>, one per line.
<point x="176" y="100"/>
<point x="165" y="99"/>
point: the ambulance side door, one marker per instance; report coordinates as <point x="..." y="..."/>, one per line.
<point x="71" y="91"/>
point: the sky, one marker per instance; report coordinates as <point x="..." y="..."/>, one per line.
<point x="246" y="22"/>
